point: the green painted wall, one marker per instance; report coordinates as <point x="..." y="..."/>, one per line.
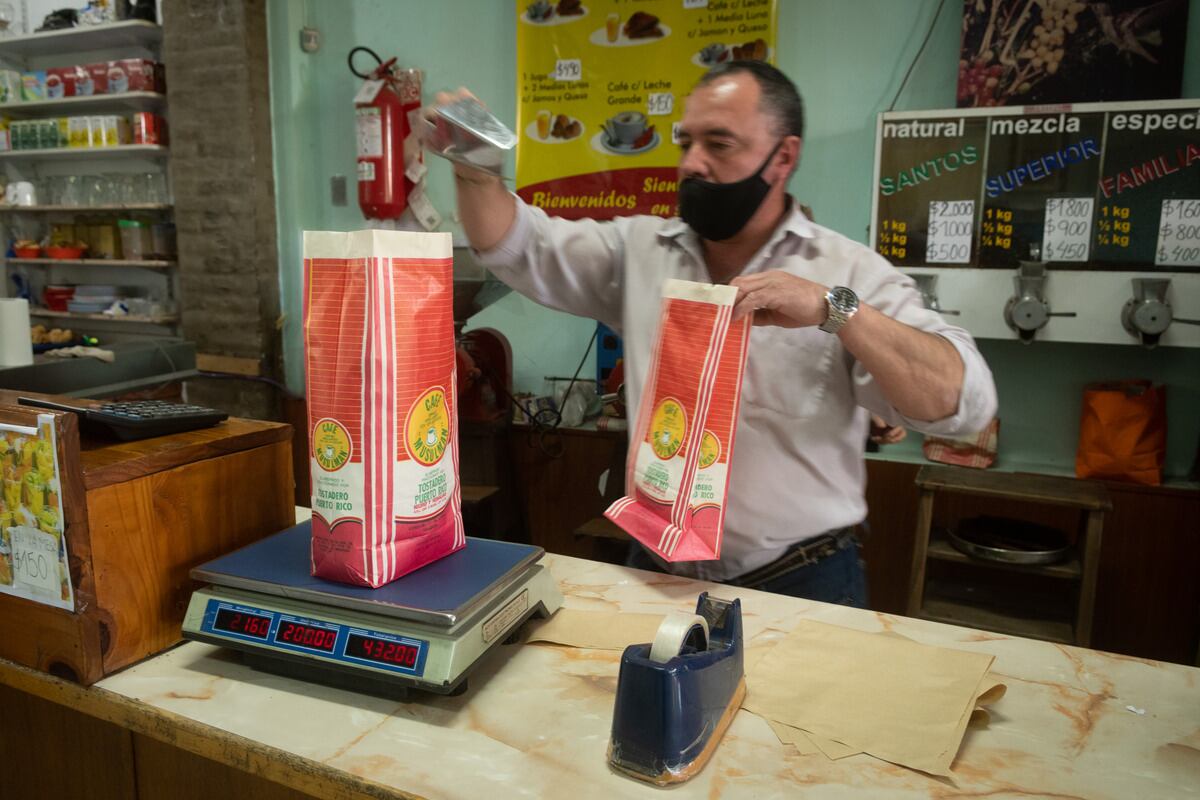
<point x="847" y="56"/>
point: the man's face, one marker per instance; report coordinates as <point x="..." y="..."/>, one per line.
<point x="724" y="136"/>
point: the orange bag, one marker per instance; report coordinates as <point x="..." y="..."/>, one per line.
<point x="1123" y="432"/>
<point x="677" y="474"/>
<point x="381" y="386"/>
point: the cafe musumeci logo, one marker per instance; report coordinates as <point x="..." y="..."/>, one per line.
<point x="331" y="444"/>
<point x="428" y="427"/>
<point x="667" y="428"/>
<point x="710" y="450"/>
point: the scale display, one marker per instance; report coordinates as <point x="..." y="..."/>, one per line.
<point x="322" y="638"/>
<point x="1112" y="186"/>
<point x="242" y="623"/>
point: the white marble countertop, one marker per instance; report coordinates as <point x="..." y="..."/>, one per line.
<point x="535" y="720"/>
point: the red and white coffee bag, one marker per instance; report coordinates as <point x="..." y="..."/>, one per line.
<point x="383" y="425"/>
<point x="677" y="474"/>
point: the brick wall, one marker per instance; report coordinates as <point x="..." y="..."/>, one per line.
<point x="221" y="167"/>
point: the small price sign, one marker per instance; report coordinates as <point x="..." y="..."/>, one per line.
<point x="948" y="236"/>
<point x="567" y="69"/>
<point x="660" y="103"/>
<point x="1067" y="229"/>
<point x="695" y="3"/>
<point x="35" y="559"/>
<point x="1178" y="234"/>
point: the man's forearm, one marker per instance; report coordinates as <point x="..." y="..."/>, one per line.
<point x="485" y="207"/>
<point x="920" y="373"/>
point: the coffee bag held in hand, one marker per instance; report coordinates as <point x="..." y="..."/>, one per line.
<point x="379" y="353"/>
<point x="677" y="475"/>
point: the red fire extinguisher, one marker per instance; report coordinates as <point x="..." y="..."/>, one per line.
<point x="381" y="110"/>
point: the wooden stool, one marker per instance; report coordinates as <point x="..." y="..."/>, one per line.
<point x="1086" y="496"/>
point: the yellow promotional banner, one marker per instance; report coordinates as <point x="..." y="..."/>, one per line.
<point x="600" y="89"/>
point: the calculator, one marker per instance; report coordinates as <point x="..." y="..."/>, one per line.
<point x="134" y="419"/>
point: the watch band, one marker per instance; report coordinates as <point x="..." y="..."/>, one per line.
<point x="841" y="304"/>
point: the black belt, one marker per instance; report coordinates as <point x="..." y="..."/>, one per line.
<point x="802" y="554"/>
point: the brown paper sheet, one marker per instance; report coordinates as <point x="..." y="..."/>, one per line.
<point x="596" y="630"/>
<point x="904" y="702"/>
<point x="808" y="743"/>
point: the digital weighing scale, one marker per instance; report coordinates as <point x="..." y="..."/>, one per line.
<point x="424" y="631"/>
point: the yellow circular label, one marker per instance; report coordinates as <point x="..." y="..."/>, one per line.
<point x="428" y="427"/>
<point x="710" y="450"/>
<point x="331" y="444"/>
<point x="667" y="428"/>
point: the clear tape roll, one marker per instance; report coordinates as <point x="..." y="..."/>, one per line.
<point x="676" y="629"/>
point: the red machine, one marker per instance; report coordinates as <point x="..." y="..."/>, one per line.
<point x="484" y="361"/>
<point x="381" y="110"/>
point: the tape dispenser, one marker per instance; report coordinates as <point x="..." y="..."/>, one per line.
<point x="677" y="695"/>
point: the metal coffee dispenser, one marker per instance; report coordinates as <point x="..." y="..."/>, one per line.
<point x="1027" y="311"/>
<point x="927" y="286"/>
<point x="1147" y="314"/>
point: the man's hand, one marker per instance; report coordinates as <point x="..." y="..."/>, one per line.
<point x="462" y="172"/>
<point x="780" y="298"/>
<point x="883" y="433"/>
<point x="485" y="207"/>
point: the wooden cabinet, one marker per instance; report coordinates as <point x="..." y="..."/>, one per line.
<point x="559" y="476"/>
<point x="139" y="516"/>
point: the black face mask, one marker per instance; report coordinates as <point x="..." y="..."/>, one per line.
<point x="718" y="211"/>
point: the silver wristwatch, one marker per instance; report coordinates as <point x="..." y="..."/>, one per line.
<point x="842" y="304"/>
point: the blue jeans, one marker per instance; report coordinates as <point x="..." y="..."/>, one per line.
<point x="838" y="578"/>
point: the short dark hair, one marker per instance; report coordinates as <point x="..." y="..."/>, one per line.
<point x="780" y="97"/>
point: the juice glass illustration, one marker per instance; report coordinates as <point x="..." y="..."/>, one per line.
<point x="612" y="26"/>
<point x="543" y="124"/>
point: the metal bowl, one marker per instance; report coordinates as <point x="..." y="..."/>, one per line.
<point x="1010" y="541"/>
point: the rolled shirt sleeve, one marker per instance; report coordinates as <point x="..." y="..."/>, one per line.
<point x="569" y="265"/>
<point x="895" y="294"/>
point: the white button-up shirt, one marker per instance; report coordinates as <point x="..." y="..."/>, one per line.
<point x="798" y="467"/>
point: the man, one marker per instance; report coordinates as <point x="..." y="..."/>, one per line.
<point x="840" y="334"/>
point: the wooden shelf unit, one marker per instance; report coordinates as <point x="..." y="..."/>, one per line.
<point x="1087" y="497"/>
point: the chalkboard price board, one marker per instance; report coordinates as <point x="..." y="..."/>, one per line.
<point x="1100" y="186"/>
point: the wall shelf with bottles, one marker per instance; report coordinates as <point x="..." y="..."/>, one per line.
<point x="91" y="196"/>
<point x="96" y="262"/>
<point x="131" y="319"/>
<point x="80" y="153"/>
<point x="125" y="101"/>
<point x="43" y="209"/>
<point x="130" y="33"/>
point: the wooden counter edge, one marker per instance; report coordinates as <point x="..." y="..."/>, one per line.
<point x="128" y="460"/>
<point x="206" y="741"/>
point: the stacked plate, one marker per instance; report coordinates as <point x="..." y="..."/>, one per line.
<point x="93" y="299"/>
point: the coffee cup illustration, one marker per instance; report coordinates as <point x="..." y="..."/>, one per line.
<point x="625" y="128"/>
<point x="83" y="84"/>
<point x="54" y="86"/>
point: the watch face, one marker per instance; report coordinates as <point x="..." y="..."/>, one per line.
<point x="843" y="299"/>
